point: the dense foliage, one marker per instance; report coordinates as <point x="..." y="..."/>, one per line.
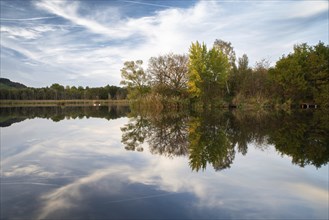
<point x="214" y="77"/>
<point x="304" y="74"/>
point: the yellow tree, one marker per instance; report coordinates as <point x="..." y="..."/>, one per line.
<point x="197" y="68"/>
<point x="208" y="73"/>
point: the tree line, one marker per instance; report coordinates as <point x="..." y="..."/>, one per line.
<point x="215" y="77"/>
<point x="59" y="92"/>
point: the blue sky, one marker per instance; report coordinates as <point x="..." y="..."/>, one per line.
<point x="86" y="42"/>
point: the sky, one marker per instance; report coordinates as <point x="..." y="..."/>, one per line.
<point x="85" y="43"/>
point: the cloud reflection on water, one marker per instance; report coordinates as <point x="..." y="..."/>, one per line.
<point x="96" y="171"/>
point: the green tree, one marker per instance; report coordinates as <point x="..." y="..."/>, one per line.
<point x="228" y="50"/>
<point x="303" y="75"/>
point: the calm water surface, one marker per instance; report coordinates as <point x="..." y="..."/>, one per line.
<point x="111" y="163"/>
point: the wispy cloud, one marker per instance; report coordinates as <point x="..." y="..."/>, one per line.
<point x="148" y="3"/>
<point x="25" y="32"/>
<point x="69" y="10"/>
<point x="25" y="19"/>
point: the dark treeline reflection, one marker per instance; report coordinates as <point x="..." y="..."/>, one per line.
<point x="214" y="137"/>
<point x="9" y="116"/>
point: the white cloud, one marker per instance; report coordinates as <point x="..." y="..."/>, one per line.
<point x="92" y="46"/>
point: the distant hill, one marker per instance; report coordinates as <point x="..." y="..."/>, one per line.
<point x="7" y="84"/>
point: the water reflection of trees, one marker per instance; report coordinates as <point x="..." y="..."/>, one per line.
<point x="209" y="141"/>
<point x="204" y="138"/>
<point x="304" y="137"/>
<point x="135" y="132"/>
<point x="247" y="127"/>
<point x="208" y="138"/>
<point x="12" y="115"/>
<point x="165" y="133"/>
<point x="214" y="137"/>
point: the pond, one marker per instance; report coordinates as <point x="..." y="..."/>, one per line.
<point x="110" y="162"/>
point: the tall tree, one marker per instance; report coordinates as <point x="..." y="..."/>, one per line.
<point x="197" y="68"/>
<point x="227" y="49"/>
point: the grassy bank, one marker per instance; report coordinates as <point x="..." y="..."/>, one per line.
<point x="78" y="102"/>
